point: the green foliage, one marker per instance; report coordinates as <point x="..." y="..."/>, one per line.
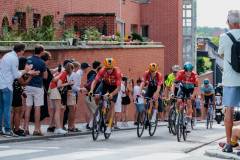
<point x="69" y="33"/>
<point x="215" y="40"/>
<point x="92" y="34"/>
<point x="10" y="36"/>
<point x="39" y="34"/>
<point x="203" y="64"/>
<point x="136" y="36"/>
<point x="47" y="21"/>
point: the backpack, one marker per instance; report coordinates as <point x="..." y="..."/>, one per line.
<point x="235" y="53"/>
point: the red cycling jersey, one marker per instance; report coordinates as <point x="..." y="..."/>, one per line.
<point x="155" y="81"/>
<point x="193" y="79"/>
<point x="113" y="79"/>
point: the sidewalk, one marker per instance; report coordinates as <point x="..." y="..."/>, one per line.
<point x="81" y="126"/>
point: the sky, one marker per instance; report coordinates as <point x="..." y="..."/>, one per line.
<point x="213" y="13"/>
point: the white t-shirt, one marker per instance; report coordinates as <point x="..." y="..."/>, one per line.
<point x="230" y="77"/>
<point x="137" y="92"/>
<point x="123" y="90"/>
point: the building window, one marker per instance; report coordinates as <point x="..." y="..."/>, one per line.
<point x="134" y="28"/>
<point x="21" y="19"/>
<point x="36" y="20"/>
<point x="145" y="30"/>
<point x="5" y="25"/>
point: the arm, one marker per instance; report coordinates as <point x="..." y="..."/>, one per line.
<point x="25" y="82"/>
<point x="45" y="75"/>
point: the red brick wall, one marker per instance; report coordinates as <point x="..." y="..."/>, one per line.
<point x="132" y="62"/>
<point x="164" y="18"/>
<point x="86" y="21"/>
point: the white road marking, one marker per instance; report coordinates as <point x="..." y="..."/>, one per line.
<point x="14" y="152"/>
<point x="75" y="155"/>
<point x="157" y="156"/>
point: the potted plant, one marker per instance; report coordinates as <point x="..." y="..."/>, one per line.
<point x="69" y="35"/>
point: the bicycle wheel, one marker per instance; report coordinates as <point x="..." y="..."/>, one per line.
<point x="172" y="121"/>
<point x="96" y="124"/>
<point x="153" y="125"/>
<point x="184" y="128"/>
<point x="178" y="127"/>
<point x="140" y="123"/>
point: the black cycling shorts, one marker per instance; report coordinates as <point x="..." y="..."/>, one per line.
<point x="104" y="88"/>
<point x="184" y="92"/>
<point x="208" y="99"/>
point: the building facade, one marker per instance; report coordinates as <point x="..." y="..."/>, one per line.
<point x="158" y="20"/>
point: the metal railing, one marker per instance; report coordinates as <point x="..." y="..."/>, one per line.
<point x="32" y="43"/>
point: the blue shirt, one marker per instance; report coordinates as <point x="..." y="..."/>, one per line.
<point x="38" y="65"/>
<point x="9" y="70"/>
<point x="207" y="90"/>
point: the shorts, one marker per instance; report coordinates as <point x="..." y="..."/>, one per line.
<point x="54" y="94"/>
<point x="17" y="100"/>
<point x="150" y="91"/>
<point x="231" y="96"/>
<point x="71" y="99"/>
<point x="104" y="88"/>
<point x="53" y="104"/>
<point x="126" y="100"/>
<point x="35" y="96"/>
<point x="184" y="92"/>
<point x="91" y="104"/>
<point x="208" y="100"/>
<point x="139" y="107"/>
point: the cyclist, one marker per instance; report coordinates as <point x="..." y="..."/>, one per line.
<point x="170" y="89"/>
<point x="153" y="80"/>
<point x="109" y="87"/>
<point x="207" y="94"/>
<point x="188" y="81"/>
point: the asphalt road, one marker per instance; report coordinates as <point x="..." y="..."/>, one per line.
<point x="122" y="145"/>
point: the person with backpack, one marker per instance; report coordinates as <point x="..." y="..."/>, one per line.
<point x="229" y="49"/>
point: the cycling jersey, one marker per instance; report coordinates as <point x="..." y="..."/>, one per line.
<point x="207" y="90"/>
<point x="113" y="79"/>
<point x="153" y="81"/>
<point x="187" y="82"/>
<point x="170" y="80"/>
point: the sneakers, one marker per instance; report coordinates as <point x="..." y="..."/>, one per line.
<point x="51" y="129"/>
<point x="9" y="134"/>
<point x="227" y="148"/>
<point x="108" y="130"/>
<point x="60" y="131"/>
<point x="135" y="123"/>
<point x="88" y="127"/>
<point x="20" y="133"/>
<point x="116" y="127"/>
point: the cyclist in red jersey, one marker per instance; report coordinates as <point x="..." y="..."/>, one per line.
<point x="153" y="79"/>
<point x="110" y="85"/>
<point x="188" y="81"/>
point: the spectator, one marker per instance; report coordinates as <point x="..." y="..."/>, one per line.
<point x="118" y="109"/>
<point x="59" y="84"/>
<point x="125" y="100"/>
<point x="231" y="83"/>
<point x="138" y="99"/>
<point x="34" y="91"/>
<point x="17" y="98"/>
<point x="8" y="72"/>
<point x="198" y="106"/>
<point x="91" y="105"/>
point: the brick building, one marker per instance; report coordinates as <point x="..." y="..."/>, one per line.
<point x="159" y="20"/>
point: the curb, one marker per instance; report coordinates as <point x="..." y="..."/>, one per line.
<point x="34" y="138"/>
<point x="218" y="154"/>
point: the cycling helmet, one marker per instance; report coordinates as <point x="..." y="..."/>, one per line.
<point x="176" y="68"/>
<point x="153" y="67"/>
<point x="109" y="63"/>
<point x="188" y="66"/>
<point x="206" y="81"/>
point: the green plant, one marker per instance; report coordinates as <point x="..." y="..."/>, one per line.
<point x="92" y="34"/>
<point x="11" y="36"/>
<point x="215" y="40"/>
<point x="136" y="36"/>
<point x="69" y="33"/>
<point x="203" y="64"/>
<point x="47" y="21"/>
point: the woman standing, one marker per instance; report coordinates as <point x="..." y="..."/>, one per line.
<point x="125" y="100"/>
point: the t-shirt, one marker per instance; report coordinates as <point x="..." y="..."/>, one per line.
<point x="207" y="90"/>
<point x="38" y="65"/>
<point x="153" y="81"/>
<point x="113" y="79"/>
<point x="188" y="82"/>
<point x="91" y="75"/>
<point x="230" y="77"/>
<point x="137" y="92"/>
<point x="63" y="78"/>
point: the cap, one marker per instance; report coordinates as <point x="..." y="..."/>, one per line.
<point x="84" y="65"/>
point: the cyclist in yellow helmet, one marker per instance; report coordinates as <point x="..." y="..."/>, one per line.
<point x="110" y="75"/>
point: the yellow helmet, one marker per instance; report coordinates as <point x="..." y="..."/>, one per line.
<point x="153" y="67"/>
<point x="109" y="63"/>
